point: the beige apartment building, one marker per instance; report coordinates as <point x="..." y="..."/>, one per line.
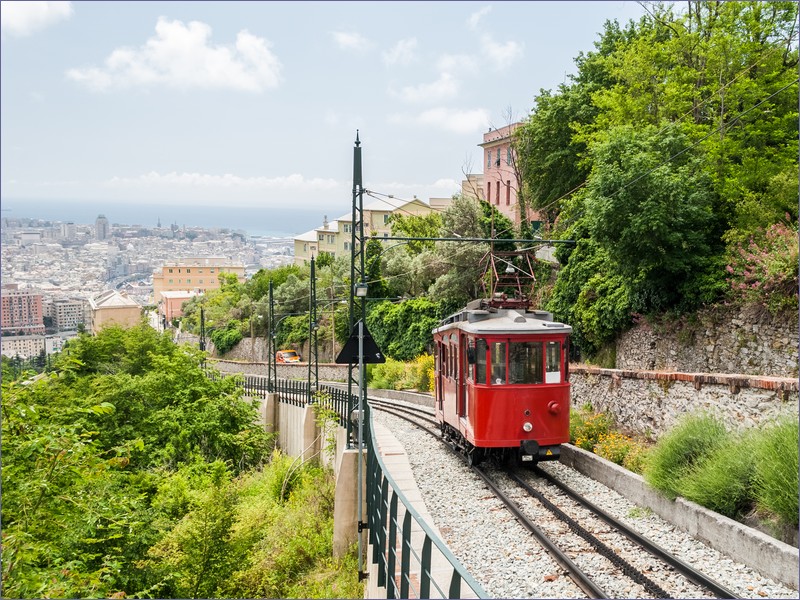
<point x="334" y="237"/>
<point x="113" y="308"/>
<point x="193" y="275"/>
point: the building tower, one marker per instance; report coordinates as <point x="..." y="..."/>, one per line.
<point x="102" y="229"/>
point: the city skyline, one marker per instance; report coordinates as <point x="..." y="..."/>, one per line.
<point x="257" y="103"/>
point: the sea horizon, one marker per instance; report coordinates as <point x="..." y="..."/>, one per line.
<point x="254" y="220"/>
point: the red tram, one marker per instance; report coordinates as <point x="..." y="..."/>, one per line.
<point x="502" y="382"/>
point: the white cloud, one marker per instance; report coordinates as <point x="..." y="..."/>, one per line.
<point x="475" y="18"/>
<point x="227" y="181"/>
<point x="501" y="55"/>
<point x="350" y="40"/>
<point x="457" y="62"/>
<point x="448" y="119"/>
<point x="182" y="56"/>
<point x="442" y="89"/>
<point x="24" y="17"/>
<point x="402" y="53"/>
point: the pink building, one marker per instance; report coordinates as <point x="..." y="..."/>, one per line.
<point x="499" y="175"/>
<point x="21" y="312"/>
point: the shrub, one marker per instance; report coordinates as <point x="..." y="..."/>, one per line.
<point x="226" y="338"/>
<point x="776" y="464"/>
<point x="693" y="438"/>
<point x="613" y="446"/>
<point x="396" y="375"/>
<point x="387" y="376"/>
<point x="585" y="428"/>
<point x="636" y="459"/>
<point x="720" y="480"/>
<point x="423" y="373"/>
<point x="764" y="270"/>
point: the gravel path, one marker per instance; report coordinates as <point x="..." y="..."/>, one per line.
<point x="509" y="563"/>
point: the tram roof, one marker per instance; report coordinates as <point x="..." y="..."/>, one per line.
<point x="501" y="321"/>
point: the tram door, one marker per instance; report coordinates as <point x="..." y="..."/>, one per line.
<point x="462" y="373"/>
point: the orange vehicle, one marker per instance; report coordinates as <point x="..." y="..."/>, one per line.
<point x="287" y="356"/>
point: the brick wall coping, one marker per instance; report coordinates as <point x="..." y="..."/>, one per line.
<point x="734" y="381"/>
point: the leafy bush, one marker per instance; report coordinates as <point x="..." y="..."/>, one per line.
<point x="423" y="373"/>
<point x="694" y="437"/>
<point x="613" y="446"/>
<point x="227" y="337"/>
<point x="775" y="477"/>
<point x="397" y="375"/>
<point x="764" y="271"/>
<point x="636" y="459"/>
<point x="585" y="428"/>
<point x="720" y="480"/>
<point x="388" y="376"/>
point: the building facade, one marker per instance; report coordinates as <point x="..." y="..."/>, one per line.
<point x="335" y="237"/>
<point x="171" y="305"/>
<point x="102" y="228"/>
<point x="193" y="274"/>
<point x="21" y="311"/>
<point x="500" y="181"/>
<point x="113" y="308"/>
<point x="68" y="313"/>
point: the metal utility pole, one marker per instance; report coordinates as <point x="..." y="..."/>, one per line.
<point x="358" y="288"/>
<point x="358" y="310"/>
<point x="313" y="362"/>
<point x="272" y="367"/>
<point x="202" y="329"/>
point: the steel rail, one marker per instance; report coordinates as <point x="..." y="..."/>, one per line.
<point x="686" y="570"/>
<point x="602" y="549"/>
<point x="581" y="579"/>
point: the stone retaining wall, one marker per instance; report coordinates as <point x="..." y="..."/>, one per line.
<point x="715" y="340"/>
<point x="650" y="402"/>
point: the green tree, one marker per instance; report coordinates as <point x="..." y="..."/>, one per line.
<point x="403" y="330"/>
<point x="429" y="225"/>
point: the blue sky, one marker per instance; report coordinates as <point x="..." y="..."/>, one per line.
<point x="257" y="103"/>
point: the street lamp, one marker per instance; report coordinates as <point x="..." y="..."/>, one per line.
<point x="360" y="290"/>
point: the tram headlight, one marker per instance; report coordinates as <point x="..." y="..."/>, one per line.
<point x="527" y="427"/>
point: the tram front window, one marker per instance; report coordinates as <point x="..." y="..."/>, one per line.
<point x="525" y="362"/>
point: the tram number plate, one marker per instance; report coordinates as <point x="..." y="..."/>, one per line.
<point x="527" y="458"/>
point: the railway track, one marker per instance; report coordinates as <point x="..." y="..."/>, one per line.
<point x="587" y="542"/>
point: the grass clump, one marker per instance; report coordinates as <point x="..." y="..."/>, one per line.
<point x="694" y="437"/>
<point x="720" y="480"/>
<point x="775" y="478"/>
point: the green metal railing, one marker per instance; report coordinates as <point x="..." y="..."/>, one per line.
<point x="403" y="553"/>
<point x="390" y="519"/>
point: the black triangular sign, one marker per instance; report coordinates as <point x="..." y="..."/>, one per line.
<point x="349" y="354"/>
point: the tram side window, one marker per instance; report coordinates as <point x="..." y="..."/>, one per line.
<point x="480" y="361"/>
<point x="444" y="361"/>
<point x="525" y="362"/>
<point x="553" y="368"/>
<point x="498" y="362"/>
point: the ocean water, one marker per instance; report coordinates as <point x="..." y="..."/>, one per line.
<point x="262" y="221"/>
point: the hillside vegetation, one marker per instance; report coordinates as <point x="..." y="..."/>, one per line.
<point x="128" y="472"/>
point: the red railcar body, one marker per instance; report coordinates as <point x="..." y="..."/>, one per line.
<point x="502" y="382"/>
